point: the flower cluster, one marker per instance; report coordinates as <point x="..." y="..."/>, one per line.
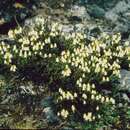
<point x="83" y="67"/>
<point x="91" y="65"/>
<point x="30" y="42"/>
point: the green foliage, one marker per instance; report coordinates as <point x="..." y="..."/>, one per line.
<point x="75" y="69"/>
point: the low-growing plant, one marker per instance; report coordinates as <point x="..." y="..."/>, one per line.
<point x="75" y="69"/>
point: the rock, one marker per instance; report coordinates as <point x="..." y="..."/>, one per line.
<point x="110" y="15"/>
<point x="68" y="28"/>
<point x="125" y="81"/>
<point x="121" y="7"/>
<point x="79" y="13"/>
<point x="79" y="27"/>
<point x="127" y="15"/>
<point x="96" y="11"/>
<point x="83" y="2"/>
<point x="121" y="28"/>
<point x="114" y="13"/>
<point x="47" y="102"/>
<point x="48" y="105"/>
<point x="125" y="97"/>
<point x="94" y="31"/>
<point x="34" y="7"/>
<point x="120" y="16"/>
<point x="50" y="116"/>
<point x="102" y="3"/>
<point x="106" y="92"/>
<point x="120" y="105"/>
<point x="123" y="24"/>
<point x="75" y="18"/>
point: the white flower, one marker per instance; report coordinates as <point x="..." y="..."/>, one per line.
<point x="97" y="108"/>
<point x="8" y="55"/>
<point x="73" y="108"/>
<point x="64" y="113"/>
<point x="11" y="34"/>
<point x="66" y="72"/>
<point x="112" y="100"/>
<point x="13" y="68"/>
<point x="45" y="55"/>
<point x="75" y="95"/>
<point x="92" y="97"/>
<point x="87" y="117"/>
<point x="84" y="96"/>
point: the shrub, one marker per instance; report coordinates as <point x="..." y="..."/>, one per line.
<point x="88" y="69"/>
<point x="77" y="70"/>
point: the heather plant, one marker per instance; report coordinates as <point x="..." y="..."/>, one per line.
<point x="76" y="70"/>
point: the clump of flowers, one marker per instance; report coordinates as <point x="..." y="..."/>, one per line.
<point x="81" y="68"/>
<point x="89" y="66"/>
